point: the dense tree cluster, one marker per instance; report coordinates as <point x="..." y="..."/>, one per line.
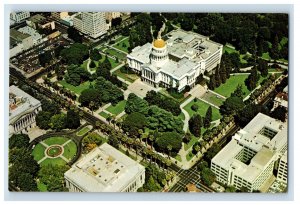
<point x="75" y="54"/>
<point x="279" y="113"/>
<point x="53" y="177"/>
<point x="76" y="75"/>
<point x="95" y="55"/>
<point x="91" y="141"/>
<point x="136" y="104"/>
<point x="134" y="122"/>
<point x="154" y="98"/>
<point x="155" y="179"/>
<point x="168" y="142"/>
<point x="232" y="105"/>
<point x="195" y="124"/>
<point x="74" y="34"/>
<point x="23" y="168"/>
<point x="252" y="80"/>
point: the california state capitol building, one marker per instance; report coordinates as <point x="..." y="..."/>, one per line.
<point x="175" y="60"/>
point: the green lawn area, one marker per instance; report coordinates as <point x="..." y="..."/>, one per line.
<point x="120" y="38"/>
<point x="212" y="98"/>
<point x="181" y="116"/>
<point x="53" y="161"/>
<point x="41" y="187"/>
<point x="55" y="140"/>
<point x="70" y="150"/>
<point x="38" y="152"/>
<point x="202" y="109"/>
<point x="104" y="114"/>
<point x="83" y="131"/>
<point x="120" y="45"/>
<point x="266" y="56"/>
<point x="227" y="88"/>
<point x="84" y="64"/>
<point x="118" y="108"/>
<point x="112" y="62"/>
<point x="178" y="157"/>
<point x="229" y="49"/>
<point x="128" y="77"/>
<point x="191" y="142"/>
<point x="115" y="53"/>
<point x="189" y="156"/>
<point x="77" y="89"/>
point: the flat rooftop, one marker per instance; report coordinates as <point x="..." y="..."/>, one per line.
<point x="17" y="35"/>
<point x="104" y="169"/>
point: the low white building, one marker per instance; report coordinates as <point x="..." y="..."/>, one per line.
<point x="18" y="17"/>
<point x="105" y="169"/>
<point x="249" y="159"/>
<point x="22" y="110"/>
<point x="176" y="61"/>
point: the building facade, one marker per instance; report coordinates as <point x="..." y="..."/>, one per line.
<point x="92" y="24"/>
<point x="22" y="110"/>
<point x="282" y="174"/>
<point x="249" y="159"/>
<point x="18" y="17"/>
<point x="176" y="61"/>
<point x="105" y="169"/>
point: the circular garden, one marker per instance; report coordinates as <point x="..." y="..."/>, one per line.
<point x="54" y="150"/>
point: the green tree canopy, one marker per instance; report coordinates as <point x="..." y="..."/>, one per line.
<point x="195" y="124"/>
<point x="58" y="121"/>
<point x="232" y="105"/>
<point x="136" y="104"/>
<point x="166" y="139"/>
<point x="95" y="55"/>
<point x="133" y="122"/>
<point x="72" y="119"/>
<point x="75" y="54"/>
<point x="19" y="141"/>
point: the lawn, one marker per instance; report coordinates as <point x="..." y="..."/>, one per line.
<point x="55" y="140"/>
<point x="229" y="49"/>
<point x="130" y="77"/>
<point x="41" y="187"/>
<point x="202" y="109"/>
<point x="112" y="62"/>
<point x="38" y="152"/>
<point x="104" y="114"/>
<point x="178" y="157"/>
<point x="191" y="142"/>
<point x="84" y="64"/>
<point x="189" y="156"/>
<point x="53" y="161"/>
<point x="119" y="45"/>
<point x="77" y="89"/>
<point x="70" y="150"/>
<point x="266" y="56"/>
<point x="227" y="88"/>
<point x="212" y="98"/>
<point x="118" y="108"/>
<point x="83" y="131"/>
<point x="115" y="53"/>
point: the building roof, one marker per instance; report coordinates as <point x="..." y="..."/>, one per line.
<point x="253" y="137"/>
<point x="17" y="35"/>
<point x="26" y="104"/>
<point x="37" y="18"/>
<point x="159" y="43"/>
<point x="30" y="31"/>
<point x="104" y="169"/>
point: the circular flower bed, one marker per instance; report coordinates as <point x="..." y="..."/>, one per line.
<point x="54" y="150"/>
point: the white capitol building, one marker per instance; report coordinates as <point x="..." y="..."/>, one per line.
<point x="175" y="61"/>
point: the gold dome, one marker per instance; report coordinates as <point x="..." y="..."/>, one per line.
<point x="159" y="43"/>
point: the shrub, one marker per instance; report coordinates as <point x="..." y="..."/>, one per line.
<point x="195" y="107"/>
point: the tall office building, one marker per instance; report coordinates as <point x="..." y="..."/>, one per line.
<point x="92" y="24"/>
<point x="249" y="159"/>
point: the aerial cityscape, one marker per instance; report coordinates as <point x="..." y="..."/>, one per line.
<point x="148" y="102"/>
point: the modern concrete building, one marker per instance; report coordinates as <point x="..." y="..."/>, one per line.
<point x="249" y="159"/>
<point x="22" y="110"/>
<point x="282" y="174"/>
<point x="92" y="24"/>
<point x="175" y="60"/>
<point x="19" y="42"/>
<point x="105" y="169"/>
<point x="18" y="17"/>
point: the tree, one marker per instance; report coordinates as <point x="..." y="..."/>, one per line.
<point x="245" y="115"/>
<point x="195" y="124"/>
<point x="238" y="92"/>
<point x="252" y="79"/>
<point x="212" y="82"/>
<point x="136" y="104"/>
<point x="217" y="77"/>
<point x="53" y="177"/>
<point x="74" y="35"/>
<point x="45" y="58"/>
<point x="91" y="141"/>
<point x="207" y="176"/>
<point x="72" y="119"/>
<point x="166" y="139"/>
<point x="76" y="75"/>
<point x="58" y="121"/>
<point x="275" y="48"/>
<point x="230" y="189"/>
<point x="202" y="165"/>
<point x="92" y="64"/>
<point x="89" y="95"/>
<point x="263" y="67"/>
<point x="19" y="141"/>
<point x="95" y="55"/>
<point x="26" y="182"/>
<point x="232" y="105"/>
<point x="279" y="113"/>
<point x="42" y="120"/>
<point x="133" y="122"/>
<point x="208" y="117"/>
<point x="75" y="54"/>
